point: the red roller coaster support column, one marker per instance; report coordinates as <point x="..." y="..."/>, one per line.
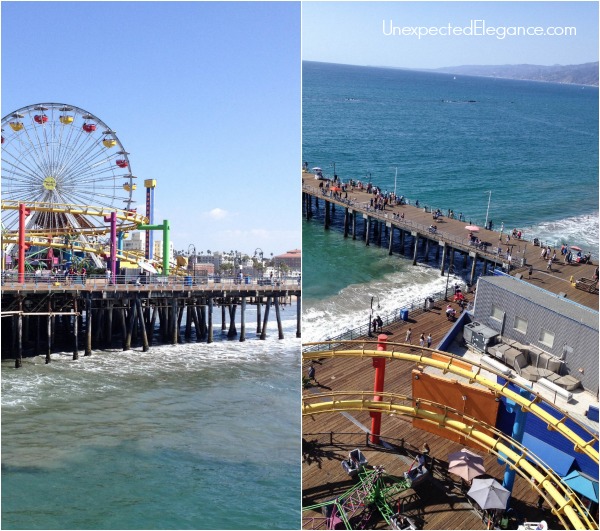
<point x="23" y="213"/>
<point x="113" y="245"/>
<point x="379" y="364"/>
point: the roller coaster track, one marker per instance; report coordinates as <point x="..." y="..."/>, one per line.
<point x="564" y="503"/>
<point x="133" y="219"/>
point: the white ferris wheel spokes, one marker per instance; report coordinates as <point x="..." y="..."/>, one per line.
<point x="59" y="154"/>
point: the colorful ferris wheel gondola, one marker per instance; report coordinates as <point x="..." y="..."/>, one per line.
<point x="109" y="141"/>
<point x="88" y="125"/>
<point x="41" y="118"/>
<point x="122" y="162"/>
<point x="16" y="125"/>
<point x="66" y="118"/>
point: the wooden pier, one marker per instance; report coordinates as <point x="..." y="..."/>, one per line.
<point x="328" y="438"/>
<point x="404" y="230"/>
<point x="44" y="318"/>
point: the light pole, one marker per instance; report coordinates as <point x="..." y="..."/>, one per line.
<point x="192" y="252"/>
<point x="258" y="253"/>
<point x="371" y="315"/>
<point x="450" y="270"/>
<point x="395" y="181"/>
<point x="488" y="208"/>
<point x="334" y="174"/>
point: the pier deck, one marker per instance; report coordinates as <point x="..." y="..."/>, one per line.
<point x="327" y="439"/>
<point x="452" y="233"/>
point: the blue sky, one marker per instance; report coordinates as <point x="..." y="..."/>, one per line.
<point x="204" y="96"/>
<point x="353" y="33"/>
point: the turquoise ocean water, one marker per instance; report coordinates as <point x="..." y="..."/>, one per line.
<point x="189" y="437"/>
<point x="452" y="139"/>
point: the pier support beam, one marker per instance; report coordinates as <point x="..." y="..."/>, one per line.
<point x="416" y="247"/>
<point x="391" y="242"/>
<point x="278" y="317"/>
<point x="243" y="320"/>
<point x="49" y="338"/>
<point x="88" y="327"/>
<point x="346" y="222"/>
<point x="263" y="334"/>
<point x="145" y="345"/>
<point x="367" y="229"/>
<point x="258" y="315"/>
<point x="232" y="330"/>
<point x="327" y="214"/>
<point x="443" y="264"/>
<point x="298" y="315"/>
<point x="473" y="265"/>
<point x="75" y="330"/>
<point x="209" y="335"/>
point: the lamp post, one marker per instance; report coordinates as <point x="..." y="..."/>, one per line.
<point x="334" y="174"/>
<point x="488" y="208"/>
<point x="371" y="314"/>
<point x="395" y="181"/>
<point x="192" y="252"/>
<point x="450" y="270"/>
<point x="258" y="253"/>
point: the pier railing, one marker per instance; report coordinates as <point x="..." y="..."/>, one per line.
<point x="493" y="248"/>
<point x="47" y="280"/>
<point x="366" y="330"/>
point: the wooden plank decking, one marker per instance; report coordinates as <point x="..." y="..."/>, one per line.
<point x="557" y="280"/>
<point x="327" y="439"/>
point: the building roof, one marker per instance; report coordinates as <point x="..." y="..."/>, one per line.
<point x="295" y="253"/>
<point x="546" y="299"/>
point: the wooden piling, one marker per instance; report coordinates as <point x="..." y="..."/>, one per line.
<point x="75" y="331"/>
<point x="278" y="317"/>
<point x="243" y="320"/>
<point x="19" y="357"/>
<point x="258" y="316"/>
<point x="142" y="325"/>
<point x="209" y="335"/>
<point x="88" y="327"/>
<point x="232" y="330"/>
<point x="49" y="337"/>
<point x="263" y="334"/>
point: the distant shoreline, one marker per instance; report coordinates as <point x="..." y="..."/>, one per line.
<point x="456" y="71"/>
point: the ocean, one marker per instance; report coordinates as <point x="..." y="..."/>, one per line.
<point x="452" y="140"/>
<point x="192" y="436"/>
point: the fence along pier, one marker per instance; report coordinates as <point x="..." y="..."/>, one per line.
<point x="42" y="318"/>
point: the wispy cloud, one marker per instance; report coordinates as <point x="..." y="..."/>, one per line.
<point x="217" y="213"/>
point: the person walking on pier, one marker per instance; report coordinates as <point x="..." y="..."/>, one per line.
<point x="422" y="340"/>
<point x="429" y="340"/>
<point x="530" y="271"/>
<point x="311" y="374"/>
<point x="549" y="266"/>
<point x="408" y="337"/>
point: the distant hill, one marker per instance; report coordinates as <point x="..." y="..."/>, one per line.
<point x="584" y="74"/>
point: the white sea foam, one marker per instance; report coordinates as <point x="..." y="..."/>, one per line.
<point x="578" y="230"/>
<point x="106" y="371"/>
<point x="352" y="306"/>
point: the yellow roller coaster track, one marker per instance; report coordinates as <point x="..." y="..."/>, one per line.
<point x="561" y="506"/>
<point x="565" y="504"/>
<point x="129" y="256"/>
<point x="132" y="219"/>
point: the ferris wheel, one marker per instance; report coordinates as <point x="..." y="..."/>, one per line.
<point x="60" y="155"/>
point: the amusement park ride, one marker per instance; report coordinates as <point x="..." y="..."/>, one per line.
<point x="67" y="188"/>
<point x="375" y="495"/>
